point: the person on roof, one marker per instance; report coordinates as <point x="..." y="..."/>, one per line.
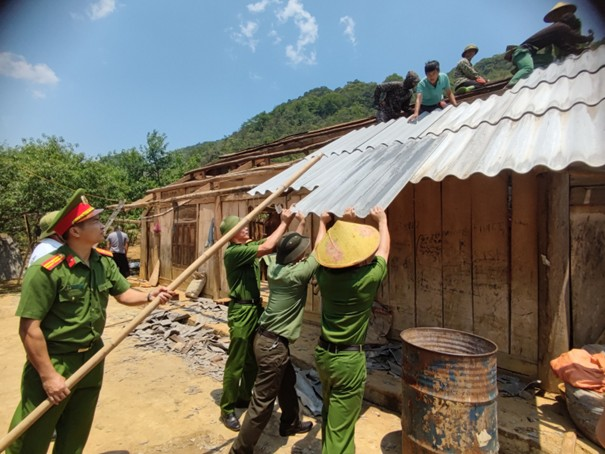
<point x="430" y="90"/>
<point x="466" y="76"/>
<point x="391" y="98"/>
<point x="63" y="310"/>
<point x="563" y="35"/>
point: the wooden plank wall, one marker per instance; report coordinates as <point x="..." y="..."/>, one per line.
<point x="456" y="247"/>
<point x="587" y="232"/>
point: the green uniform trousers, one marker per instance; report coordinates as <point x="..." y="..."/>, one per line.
<point x="240" y="368"/>
<point x="524" y="62"/>
<point x="72" y="418"/>
<point x="343" y="378"/>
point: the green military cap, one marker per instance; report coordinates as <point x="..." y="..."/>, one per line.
<point x="228" y="223"/>
<point x="470" y="47"/>
<point x="77" y="210"/>
<point x="45" y="222"/>
<point x="290" y="247"/>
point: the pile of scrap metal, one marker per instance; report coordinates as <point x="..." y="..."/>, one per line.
<point x="583" y="372"/>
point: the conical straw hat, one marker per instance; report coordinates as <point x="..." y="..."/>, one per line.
<point x="347" y="244"/>
<point x="559" y="10"/>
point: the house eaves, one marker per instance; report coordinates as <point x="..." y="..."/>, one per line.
<point x="554" y="118"/>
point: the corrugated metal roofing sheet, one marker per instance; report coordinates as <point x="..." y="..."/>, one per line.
<point x="553" y="118"/>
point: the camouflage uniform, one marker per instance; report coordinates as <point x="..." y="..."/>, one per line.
<point x="390" y="98"/>
<point x="465" y="74"/>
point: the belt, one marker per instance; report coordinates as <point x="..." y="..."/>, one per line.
<point x="257" y="301"/>
<point x="85" y="349"/>
<point x="263" y="332"/>
<point x="335" y="348"/>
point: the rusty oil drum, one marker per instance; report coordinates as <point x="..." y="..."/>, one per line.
<point x="449" y="392"/>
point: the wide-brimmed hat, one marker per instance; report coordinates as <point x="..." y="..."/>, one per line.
<point x="558" y="11"/>
<point x="45" y="222"/>
<point x="290" y="247"/>
<point x="347" y="244"/>
<point x="77" y="210"/>
<point x="228" y="223"/>
<point x="470" y="47"/>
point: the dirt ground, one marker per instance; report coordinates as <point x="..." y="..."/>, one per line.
<point x="152" y="402"/>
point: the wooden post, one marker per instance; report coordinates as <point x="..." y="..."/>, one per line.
<point x="18" y="430"/>
<point x="553" y="273"/>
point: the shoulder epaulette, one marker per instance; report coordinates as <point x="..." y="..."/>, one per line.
<point x="52" y="262"/>
<point x="104" y="252"/>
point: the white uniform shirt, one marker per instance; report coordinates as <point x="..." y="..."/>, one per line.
<point x="45" y="246"/>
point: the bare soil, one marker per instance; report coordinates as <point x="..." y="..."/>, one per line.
<point x="152" y="402"/>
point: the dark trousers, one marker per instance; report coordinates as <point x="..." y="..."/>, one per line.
<point x="427" y="108"/>
<point x="275" y="378"/>
<point x="122" y="263"/>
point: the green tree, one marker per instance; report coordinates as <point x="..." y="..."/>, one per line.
<point x="156" y="156"/>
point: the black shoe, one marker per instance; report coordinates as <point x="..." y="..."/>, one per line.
<point x="299" y="428"/>
<point x="242" y="403"/>
<point x="230" y="421"/>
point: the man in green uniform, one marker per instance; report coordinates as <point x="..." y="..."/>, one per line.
<point x="243" y="276"/>
<point x="63" y="311"/>
<point x="353" y="259"/>
<point x="288" y="275"/>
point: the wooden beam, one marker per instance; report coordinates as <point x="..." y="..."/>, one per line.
<point x="553" y="273"/>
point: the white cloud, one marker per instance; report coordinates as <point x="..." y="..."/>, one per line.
<point x="308" y="32"/>
<point x="349" y="32"/>
<point x="101" y="8"/>
<point x="38" y="94"/>
<point x="246" y="35"/>
<point x="274" y="37"/>
<point x="258" y="7"/>
<point x="15" y="66"/>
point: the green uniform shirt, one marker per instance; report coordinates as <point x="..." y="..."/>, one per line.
<point x="347" y="296"/>
<point x="243" y="270"/>
<point x="287" y="296"/>
<point x="71" y="299"/>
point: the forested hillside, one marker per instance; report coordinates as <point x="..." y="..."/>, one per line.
<point x="315" y="109"/>
<point x="40" y="174"/>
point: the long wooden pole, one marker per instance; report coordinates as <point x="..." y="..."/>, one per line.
<point x="18" y="430"/>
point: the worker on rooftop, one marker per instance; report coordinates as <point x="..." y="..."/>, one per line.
<point x="391" y="98"/>
<point x="245" y="308"/>
<point x="466" y="76"/>
<point x="430" y="90"/>
<point x="564" y="35"/>
<point x="288" y="275"/>
<point x="353" y="263"/>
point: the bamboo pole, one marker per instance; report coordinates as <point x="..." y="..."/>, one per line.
<point x="30" y="419"/>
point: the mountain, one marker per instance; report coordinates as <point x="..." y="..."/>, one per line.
<point x="317" y="108"/>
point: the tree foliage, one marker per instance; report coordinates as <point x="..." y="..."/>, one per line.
<point x="39" y="175"/>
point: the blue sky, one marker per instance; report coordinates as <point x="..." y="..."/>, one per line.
<point x="104" y="73"/>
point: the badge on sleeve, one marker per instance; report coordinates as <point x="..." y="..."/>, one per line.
<point x="52" y="262"/>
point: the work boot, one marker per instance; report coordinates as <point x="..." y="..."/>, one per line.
<point x="463" y="90"/>
<point x="299" y="427"/>
<point x="230" y="421"/>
